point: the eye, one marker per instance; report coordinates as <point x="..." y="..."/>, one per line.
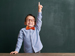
<point x="30" y="20"/>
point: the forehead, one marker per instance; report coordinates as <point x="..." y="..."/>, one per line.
<point x="30" y="17"/>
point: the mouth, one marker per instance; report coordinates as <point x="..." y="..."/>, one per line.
<point x="30" y="24"/>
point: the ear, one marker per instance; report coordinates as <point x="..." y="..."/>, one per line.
<point x="25" y="23"/>
<point x="35" y="23"/>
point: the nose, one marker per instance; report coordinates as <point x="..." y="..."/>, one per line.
<point x="30" y="21"/>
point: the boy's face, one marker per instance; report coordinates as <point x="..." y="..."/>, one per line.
<point x="30" y="21"/>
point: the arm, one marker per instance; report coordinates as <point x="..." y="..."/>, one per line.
<point x="19" y="43"/>
<point x="20" y="40"/>
<point x="39" y="17"/>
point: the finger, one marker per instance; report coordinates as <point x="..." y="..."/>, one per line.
<point x="38" y="3"/>
<point x="15" y="53"/>
<point x="42" y="6"/>
<point x="12" y="52"/>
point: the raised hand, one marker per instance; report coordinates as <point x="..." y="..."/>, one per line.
<point x="39" y="7"/>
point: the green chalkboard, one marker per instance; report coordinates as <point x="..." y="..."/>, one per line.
<point x="58" y="28"/>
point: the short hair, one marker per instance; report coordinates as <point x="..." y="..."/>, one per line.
<point x="32" y="16"/>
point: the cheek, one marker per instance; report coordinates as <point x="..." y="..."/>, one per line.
<point x="26" y="23"/>
<point x="34" y="23"/>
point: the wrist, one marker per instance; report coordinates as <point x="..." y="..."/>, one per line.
<point x="39" y="11"/>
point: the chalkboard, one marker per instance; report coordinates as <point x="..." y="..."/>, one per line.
<point x="58" y="24"/>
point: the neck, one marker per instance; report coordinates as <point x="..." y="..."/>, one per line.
<point x="30" y="26"/>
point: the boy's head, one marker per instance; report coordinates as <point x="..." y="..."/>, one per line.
<point x="30" y="20"/>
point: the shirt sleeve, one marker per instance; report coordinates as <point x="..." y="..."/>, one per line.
<point x="39" y="21"/>
<point x="19" y="42"/>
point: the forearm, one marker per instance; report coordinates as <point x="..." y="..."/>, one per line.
<point x="39" y="21"/>
<point x="39" y="16"/>
<point x="39" y="11"/>
<point x="19" y="42"/>
<point x="18" y="45"/>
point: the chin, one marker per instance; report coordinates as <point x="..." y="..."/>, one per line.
<point x="31" y="26"/>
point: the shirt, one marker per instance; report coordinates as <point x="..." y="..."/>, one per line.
<point x="30" y="37"/>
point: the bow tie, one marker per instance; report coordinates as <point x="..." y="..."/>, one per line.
<point x="27" y="28"/>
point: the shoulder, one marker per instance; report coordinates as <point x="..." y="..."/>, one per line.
<point x="23" y="29"/>
<point x="36" y="29"/>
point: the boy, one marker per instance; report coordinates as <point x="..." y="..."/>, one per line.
<point x="30" y="34"/>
